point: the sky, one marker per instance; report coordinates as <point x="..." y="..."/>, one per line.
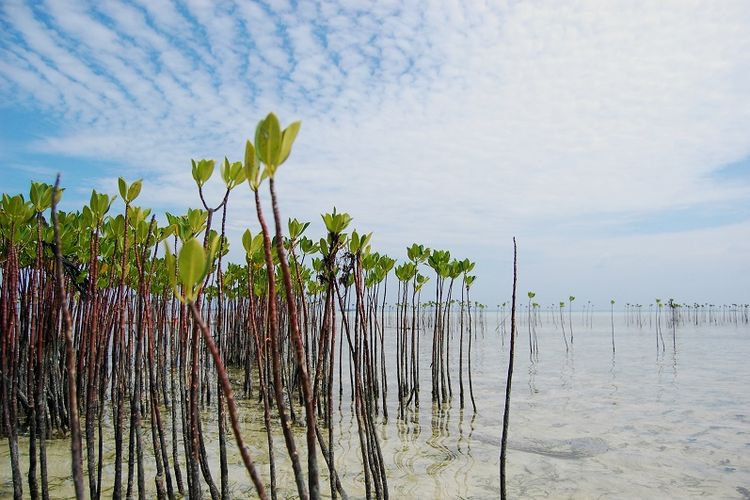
<point x="611" y="138"/>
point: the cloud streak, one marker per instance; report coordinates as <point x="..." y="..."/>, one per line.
<point x="454" y="123"/>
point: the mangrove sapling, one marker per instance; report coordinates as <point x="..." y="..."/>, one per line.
<point x="135" y="402"/>
<point x="273" y="149"/>
<point x="453" y="271"/>
<point x="570" y="316"/>
<point x="202" y="172"/>
<point x="254" y="258"/>
<point x="370" y="305"/>
<point x="233" y="175"/>
<point x="385" y="264"/>
<point x="419" y="284"/>
<point x="659" y="306"/>
<point x="535" y="321"/>
<point x="128" y="194"/>
<point x="612" y="321"/>
<point x="40" y="197"/>
<point x="468" y="282"/>
<point x="146" y="334"/>
<point x="531" y="295"/>
<point x="70" y="355"/>
<point x="562" y="325"/>
<point x="509" y="379"/>
<point x="466" y="267"/>
<point x="254" y="178"/>
<point x="335" y="224"/>
<point x="417" y="254"/>
<point x="99" y="206"/>
<point x="674" y="317"/>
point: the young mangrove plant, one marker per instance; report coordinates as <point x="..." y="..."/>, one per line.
<point x="562" y="325"/>
<point x="509" y="378"/>
<point x="612" y="321"/>
<point x="529" y="316"/>
<point x="570" y="317"/>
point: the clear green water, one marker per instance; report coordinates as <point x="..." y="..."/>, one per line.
<point x="585" y="424"/>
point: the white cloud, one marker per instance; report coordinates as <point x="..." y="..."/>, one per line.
<point x="443" y="121"/>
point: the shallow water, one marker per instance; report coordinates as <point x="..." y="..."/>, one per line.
<point x="584" y="424"/>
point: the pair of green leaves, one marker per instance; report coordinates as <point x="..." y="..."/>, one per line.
<point x="272" y="144"/>
<point x="467" y="266"/>
<point x="129" y="193"/>
<point x="252" y="244"/>
<point x="272" y="148"/>
<point x="233" y="174"/>
<point x="202" y="171"/>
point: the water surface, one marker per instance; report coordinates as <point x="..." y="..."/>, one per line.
<point x="586" y="423"/>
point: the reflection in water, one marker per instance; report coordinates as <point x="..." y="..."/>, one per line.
<point x="613" y="373"/>
<point x="532" y="378"/>
<point x="442" y="456"/>
<point x="674" y="366"/>
<point x="568" y="369"/>
<point x="589" y="426"/>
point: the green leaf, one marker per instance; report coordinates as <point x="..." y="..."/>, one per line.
<point x="224" y="170"/>
<point x="237" y="173"/>
<point x="122" y="185"/>
<point x="247" y="241"/>
<point x="202" y="171"/>
<point x="192" y="264"/>
<point x="324" y="247"/>
<point x="287" y="139"/>
<point x="268" y="141"/>
<point x="252" y="167"/>
<point x="134" y="191"/>
<point x="94" y="202"/>
<point x="354" y="243"/>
